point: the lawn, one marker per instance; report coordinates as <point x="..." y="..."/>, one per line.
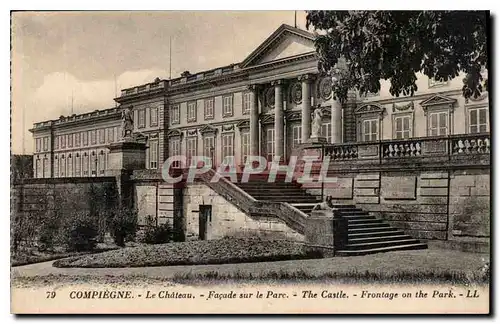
<point x="227" y="250"/>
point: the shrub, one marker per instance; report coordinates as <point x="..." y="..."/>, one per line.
<point x="81" y="233"/>
<point x="157" y="234"/>
<point x="123" y="225"/>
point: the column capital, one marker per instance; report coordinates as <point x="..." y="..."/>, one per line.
<point x="253" y="87"/>
<point x="277" y="82"/>
<point x="308" y="77"/>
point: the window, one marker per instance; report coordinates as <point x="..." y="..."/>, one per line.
<point x="37" y="168"/>
<point x="85" y="165"/>
<point x="141" y="123"/>
<point x="102" y="136"/>
<point x="102" y="163"/>
<point x="227" y="106"/>
<point x="63" y="141"/>
<point x="191" y="148"/>
<point x="245" y="146"/>
<point x="174" y="114"/>
<point x="209" y="148"/>
<point x="111" y="135"/>
<point x="227" y="145"/>
<point x="296" y="135"/>
<point x="85" y="138"/>
<point x="326" y="131"/>
<point x="478" y="120"/>
<point x="56" y="143"/>
<point x="62" y="166"/>
<point x="45" y="143"/>
<point x="77" y="139"/>
<point x="369" y="130"/>
<point x="175" y="150"/>
<point x="116" y="134"/>
<point x="209" y="108"/>
<point x="153" y="116"/>
<point x="153" y="154"/>
<point x="247" y="102"/>
<point x="77" y="165"/>
<point x="70" y="140"/>
<point x="403" y="127"/>
<point x="270" y="144"/>
<point x="38" y="143"/>
<point x="45" y="162"/>
<point x="191" y="111"/>
<point x="93" y="139"/>
<point x="56" y="167"/>
<point x="438" y="123"/>
<point x="70" y="166"/>
<point x="93" y="164"/>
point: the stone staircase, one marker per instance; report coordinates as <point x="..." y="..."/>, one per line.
<point x="365" y="234"/>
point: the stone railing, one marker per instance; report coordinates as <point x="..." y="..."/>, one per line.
<point x="291" y="216"/>
<point x="446" y="147"/>
<point x="470" y="145"/>
<point x="228" y="191"/>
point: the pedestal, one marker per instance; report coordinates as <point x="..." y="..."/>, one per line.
<point x="317" y="140"/>
<point x="126" y="156"/>
<point x="325" y="230"/>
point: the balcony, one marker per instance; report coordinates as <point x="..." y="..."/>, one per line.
<point x="462" y="149"/>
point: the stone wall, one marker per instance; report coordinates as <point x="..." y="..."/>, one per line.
<point x="42" y="199"/>
<point x="436" y="205"/>
<point x="227" y="219"/>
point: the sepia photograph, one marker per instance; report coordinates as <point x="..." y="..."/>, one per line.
<point x="250" y="162"/>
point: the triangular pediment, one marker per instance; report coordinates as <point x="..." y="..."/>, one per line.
<point x="208" y="129"/>
<point x="369" y="108"/>
<point x="174" y="132"/>
<point x="286" y="41"/>
<point x="243" y="124"/>
<point x="438" y="100"/>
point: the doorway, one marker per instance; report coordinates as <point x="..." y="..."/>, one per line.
<point x="205" y="218"/>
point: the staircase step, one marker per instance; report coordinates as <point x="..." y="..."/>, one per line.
<point x="378" y="224"/>
<point x="370" y="230"/>
<point x="378" y="238"/>
<point x="357" y="235"/>
<point x="353" y="213"/>
<point x="414" y="246"/>
<point x="365" y="220"/>
<point x="359" y="217"/>
<point x="382" y="243"/>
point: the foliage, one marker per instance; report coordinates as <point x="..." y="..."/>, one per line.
<point x="123" y="225"/>
<point x="23" y="229"/>
<point x="157" y="234"/>
<point x="222" y="251"/>
<point x="364" y="47"/>
<point x="81" y="232"/>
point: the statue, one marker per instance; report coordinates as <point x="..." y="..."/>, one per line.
<point x="127" y="123"/>
<point x="324" y="205"/>
<point x="316" y="123"/>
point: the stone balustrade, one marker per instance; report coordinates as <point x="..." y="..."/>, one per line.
<point x="445" y="147"/>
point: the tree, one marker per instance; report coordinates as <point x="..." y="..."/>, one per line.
<point x="365" y="47"/>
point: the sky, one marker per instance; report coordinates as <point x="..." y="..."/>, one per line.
<point x="69" y="61"/>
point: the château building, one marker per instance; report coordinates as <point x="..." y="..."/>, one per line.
<point x="259" y="106"/>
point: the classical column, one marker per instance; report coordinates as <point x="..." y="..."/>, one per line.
<point x="254" y="121"/>
<point x="336" y="121"/>
<point x="279" y="130"/>
<point x="306" y="80"/>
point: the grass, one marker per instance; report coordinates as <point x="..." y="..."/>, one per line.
<point x="351" y="276"/>
<point x="223" y="251"/>
<point x="30" y="257"/>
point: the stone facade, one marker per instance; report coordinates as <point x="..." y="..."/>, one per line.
<point x="227" y="219"/>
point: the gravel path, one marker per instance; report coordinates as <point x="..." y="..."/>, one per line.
<point x="430" y="259"/>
